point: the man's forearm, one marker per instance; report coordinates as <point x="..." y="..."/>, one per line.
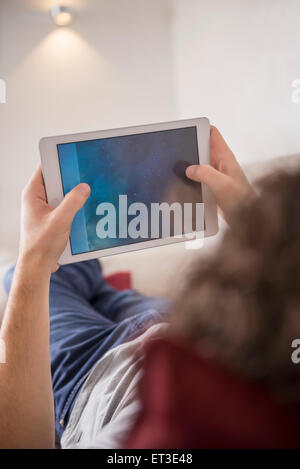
<point x="26" y="401"/>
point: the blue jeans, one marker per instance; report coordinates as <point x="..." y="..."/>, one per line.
<point x="88" y="317"/>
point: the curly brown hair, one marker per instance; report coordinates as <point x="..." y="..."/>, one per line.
<point x="242" y="305"/>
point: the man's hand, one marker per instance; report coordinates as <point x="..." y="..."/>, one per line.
<point x="25" y="378"/>
<point x="223" y="176"/>
<point x="44" y="230"/>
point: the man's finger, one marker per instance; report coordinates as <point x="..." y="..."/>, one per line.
<point x="72" y="202"/>
<point x="218" y="146"/>
<point x="35" y="187"/>
<point x="216" y="181"/>
<point x="221" y="154"/>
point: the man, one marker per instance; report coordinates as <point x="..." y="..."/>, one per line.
<point x="95" y="332"/>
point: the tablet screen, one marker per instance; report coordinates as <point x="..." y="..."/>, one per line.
<point x="131" y="177"/>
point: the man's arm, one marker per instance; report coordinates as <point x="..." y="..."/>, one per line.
<point x="26" y="400"/>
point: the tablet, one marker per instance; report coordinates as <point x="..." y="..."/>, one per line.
<point x="140" y="196"/>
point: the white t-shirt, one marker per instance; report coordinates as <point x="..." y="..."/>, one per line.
<point x="108" y="403"/>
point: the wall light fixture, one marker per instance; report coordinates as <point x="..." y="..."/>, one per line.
<point x="61" y="15"/>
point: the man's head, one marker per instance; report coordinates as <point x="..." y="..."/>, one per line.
<point x="242" y="306"/>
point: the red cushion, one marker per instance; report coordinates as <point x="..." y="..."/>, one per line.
<point x="189" y="402"/>
<point x="120" y="280"/>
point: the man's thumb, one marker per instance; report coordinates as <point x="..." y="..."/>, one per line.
<point x="214" y="179"/>
<point x="73" y="201"/>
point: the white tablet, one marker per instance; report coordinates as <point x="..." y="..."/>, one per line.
<point x="140" y="196"/>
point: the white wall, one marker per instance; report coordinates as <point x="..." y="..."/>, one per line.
<point x="124" y="62"/>
<point x="235" y="61"/>
<point x="112" y="67"/>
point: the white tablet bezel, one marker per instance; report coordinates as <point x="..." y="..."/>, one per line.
<point x="54" y="188"/>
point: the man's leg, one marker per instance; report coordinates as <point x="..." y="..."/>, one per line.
<point x="87" y="318"/>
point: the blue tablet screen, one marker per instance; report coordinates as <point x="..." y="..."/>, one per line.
<point x="147" y="168"/>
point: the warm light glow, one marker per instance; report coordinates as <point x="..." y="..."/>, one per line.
<point x="62" y="16"/>
<point x="63" y="19"/>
